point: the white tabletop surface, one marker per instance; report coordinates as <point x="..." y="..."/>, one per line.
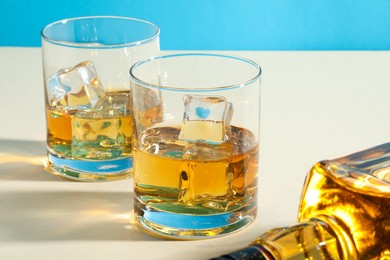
<point x="315" y="105"/>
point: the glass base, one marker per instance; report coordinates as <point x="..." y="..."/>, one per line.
<point x="83" y="170"/>
<point x="191" y="227"/>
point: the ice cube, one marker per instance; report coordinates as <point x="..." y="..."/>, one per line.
<point x="148" y="108"/>
<point x="206" y="130"/>
<point x="205" y="151"/>
<point x="105" y="131"/>
<point x="206" y="119"/>
<point x="114" y="104"/>
<point x="205" y="176"/>
<point x="75" y="88"/>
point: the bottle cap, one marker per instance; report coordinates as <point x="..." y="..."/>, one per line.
<point x="254" y="252"/>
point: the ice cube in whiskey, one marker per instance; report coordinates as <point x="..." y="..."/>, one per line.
<point x="105" y="131"/>
<point x="69" y="91"/>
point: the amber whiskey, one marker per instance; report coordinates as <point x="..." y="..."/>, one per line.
<point x="195" y="178"/>
<point x="104" y="132"/>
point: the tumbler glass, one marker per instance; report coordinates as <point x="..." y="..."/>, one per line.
<point x="196" y="144"/>
<point x="87" y="93"/>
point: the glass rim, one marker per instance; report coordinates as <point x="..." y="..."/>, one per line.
<point x="181" y="89"/>
<point x="76" y="45"/>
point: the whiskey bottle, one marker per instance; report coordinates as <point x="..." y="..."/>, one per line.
<point x="344" y="213"/>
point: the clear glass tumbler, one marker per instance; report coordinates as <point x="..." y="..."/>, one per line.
<point x="87" y="93"/>
<point x="197" y="144"/>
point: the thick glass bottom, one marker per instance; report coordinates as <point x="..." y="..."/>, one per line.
<point x="189" y="226"/>
<point x="90" y="170"/>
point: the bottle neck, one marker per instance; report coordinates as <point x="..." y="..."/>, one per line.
<point x="319" y="238"/>
<point x="253" y="252"/>
<point x="314" y="239"/>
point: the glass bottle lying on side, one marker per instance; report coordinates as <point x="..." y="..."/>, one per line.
<point x="344" y="213"/>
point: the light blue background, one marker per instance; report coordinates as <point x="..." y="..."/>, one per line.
<point x="218" y="24"/>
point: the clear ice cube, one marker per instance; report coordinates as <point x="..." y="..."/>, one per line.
<point x="114" y="104"/>
<point x="75" y="88"/>
<point x="105" y="131"/>
<point x="148" y="108"/>
<point x="206" y="130"/>
<point x="206" y="119"/>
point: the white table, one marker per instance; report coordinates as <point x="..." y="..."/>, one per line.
<point x="315" y="105"/>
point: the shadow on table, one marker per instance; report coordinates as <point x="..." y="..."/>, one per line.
<point x="67" y="215"/>
<point x="23" y="160"/>
<point x="50" y="208"/>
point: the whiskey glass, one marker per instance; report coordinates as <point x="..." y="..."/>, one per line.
<point x="87" y="93"/>
<point x="196" y="144"/>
